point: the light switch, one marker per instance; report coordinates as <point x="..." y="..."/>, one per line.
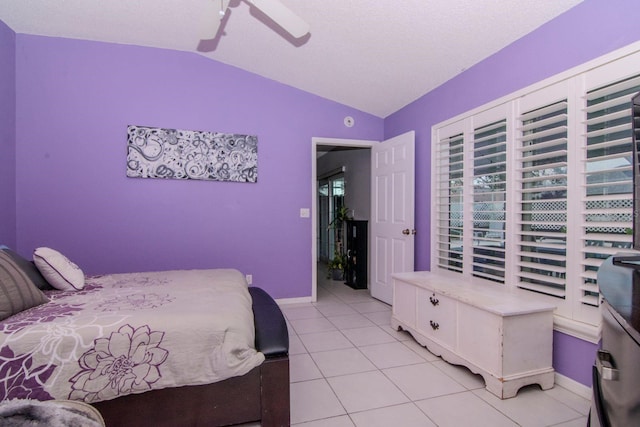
<point x="304" y="213"/>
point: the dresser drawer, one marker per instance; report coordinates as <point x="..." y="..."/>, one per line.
<point x="436" y="317"/>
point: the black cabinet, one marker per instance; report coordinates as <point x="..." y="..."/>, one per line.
<point x="355" y="272"/>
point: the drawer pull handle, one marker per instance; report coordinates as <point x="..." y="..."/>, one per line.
<point x="434" y="325"/>
<point x="434" y="301"/>
<point x="604" y="364"/>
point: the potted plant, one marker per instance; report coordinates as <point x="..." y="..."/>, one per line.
<point x="336" y="266"/>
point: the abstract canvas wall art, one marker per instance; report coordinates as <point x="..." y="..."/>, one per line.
<point x="188" y="154"/>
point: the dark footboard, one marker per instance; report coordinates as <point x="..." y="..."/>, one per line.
<point x="272" y="339"/>
<point x="260" y="395"/>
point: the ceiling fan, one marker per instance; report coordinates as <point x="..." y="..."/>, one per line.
<point x="273" y="9"/>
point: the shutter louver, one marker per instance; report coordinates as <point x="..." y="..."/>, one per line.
<point x="489" y="200"/>
<point x="449" y="214"/>
<point x="542" y="217"/>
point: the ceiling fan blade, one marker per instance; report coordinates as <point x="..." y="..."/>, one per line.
<point x="211" y="17"/>
<point x="283" y="16"/>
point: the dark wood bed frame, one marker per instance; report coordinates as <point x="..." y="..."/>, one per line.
<point x="261" y="395"/>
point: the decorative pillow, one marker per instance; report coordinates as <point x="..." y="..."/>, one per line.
<point x="29" y="268"/>
<point x="58" y="270"/>
<point x="33" y="413"/>
<point x="17" y="292"/>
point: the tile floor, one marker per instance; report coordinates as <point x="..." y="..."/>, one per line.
<point x="350" y="368"/>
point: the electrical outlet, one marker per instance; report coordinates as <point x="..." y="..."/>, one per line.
<point x="249" y="279"/>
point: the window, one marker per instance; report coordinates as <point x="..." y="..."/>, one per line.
<point x="608" y="178"/>
<point x="488" y="198"/>
<point x="534" y="190"/>
<point x="542" y="196"/>
<point x="331" y="191"/>
<point x="449" y="197"/>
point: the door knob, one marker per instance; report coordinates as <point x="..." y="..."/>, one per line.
<point x="406" y="232"/>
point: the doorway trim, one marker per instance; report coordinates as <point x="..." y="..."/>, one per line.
<point x="315" y="141"/>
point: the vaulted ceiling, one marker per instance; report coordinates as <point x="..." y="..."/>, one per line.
<point x="373" y="55"/>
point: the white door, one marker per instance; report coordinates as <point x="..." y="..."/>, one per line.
<point x="392" y="212"/>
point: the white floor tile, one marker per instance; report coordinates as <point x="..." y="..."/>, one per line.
<point x="325" y="341"/>
<point x="290" y="328"/>
<point x="422" y="381"/>
<point x="325" y="296"/>
<point x="399" y="335"/>
<point x="302" y="368"/>
<point x="371" y="306"/>
<point x="342" y="362"/>
<point x="420" y="350"/>
<point x="350" y="321"/>
<point x="350" y="296"/>
<point x="341" y="421"/>
<point x="525" y="409"/>
<point x="306" y="312"/>
<point x="380" y="318"/>
<point x="368" y="336"/>
<point x="396" y="383"/>
<point x="295" y="345"/>
<point x="570" y="399"/>
<point x="313" y="400"/>
<point x="463" y="409"/>
<point x="461" y="374"/>
<point x="407" y="415"/>
<point x="335" y="309"/>
<point x="390" y="355"/>
<point x="307" y="326"/>
<point x="578" y="422"/>
<point x="367" y="390"/>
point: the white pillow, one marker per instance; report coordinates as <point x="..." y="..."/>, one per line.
<point x="58" y="270"/>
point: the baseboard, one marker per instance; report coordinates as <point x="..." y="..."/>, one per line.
<point x="286" y="301"/>
<point x="573" y="386"/>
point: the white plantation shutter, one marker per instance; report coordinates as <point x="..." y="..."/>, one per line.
<point x="542" y="214"/>
<point x="488" y="200"/>
<point x="608" y="179"/>
<point x="534" y="190"/>
<point x="448" y="172"/>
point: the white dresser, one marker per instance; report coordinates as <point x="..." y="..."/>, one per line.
<point x="506" y="339"/>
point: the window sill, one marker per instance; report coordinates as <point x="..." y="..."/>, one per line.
<point x="576" y="329"/>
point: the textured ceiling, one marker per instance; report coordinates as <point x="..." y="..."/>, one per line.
<point x="373" y="55"/>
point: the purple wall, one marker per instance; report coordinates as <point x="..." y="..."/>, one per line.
<point x="573" y="357"/>
<point x="585" y="32"/>
<point x="75" y="100"/>
<point x="7" y="136"/>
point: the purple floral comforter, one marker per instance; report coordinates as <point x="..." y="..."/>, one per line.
<point x="130" y="333"/>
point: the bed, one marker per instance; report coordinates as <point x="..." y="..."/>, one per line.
<point x="184" y="347"/>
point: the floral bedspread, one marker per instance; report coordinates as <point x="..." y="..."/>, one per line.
<point x="130" y="333"/>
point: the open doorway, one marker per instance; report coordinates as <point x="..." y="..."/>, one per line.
<point x="391" y="229"/>
<point x="341" y="176"/>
